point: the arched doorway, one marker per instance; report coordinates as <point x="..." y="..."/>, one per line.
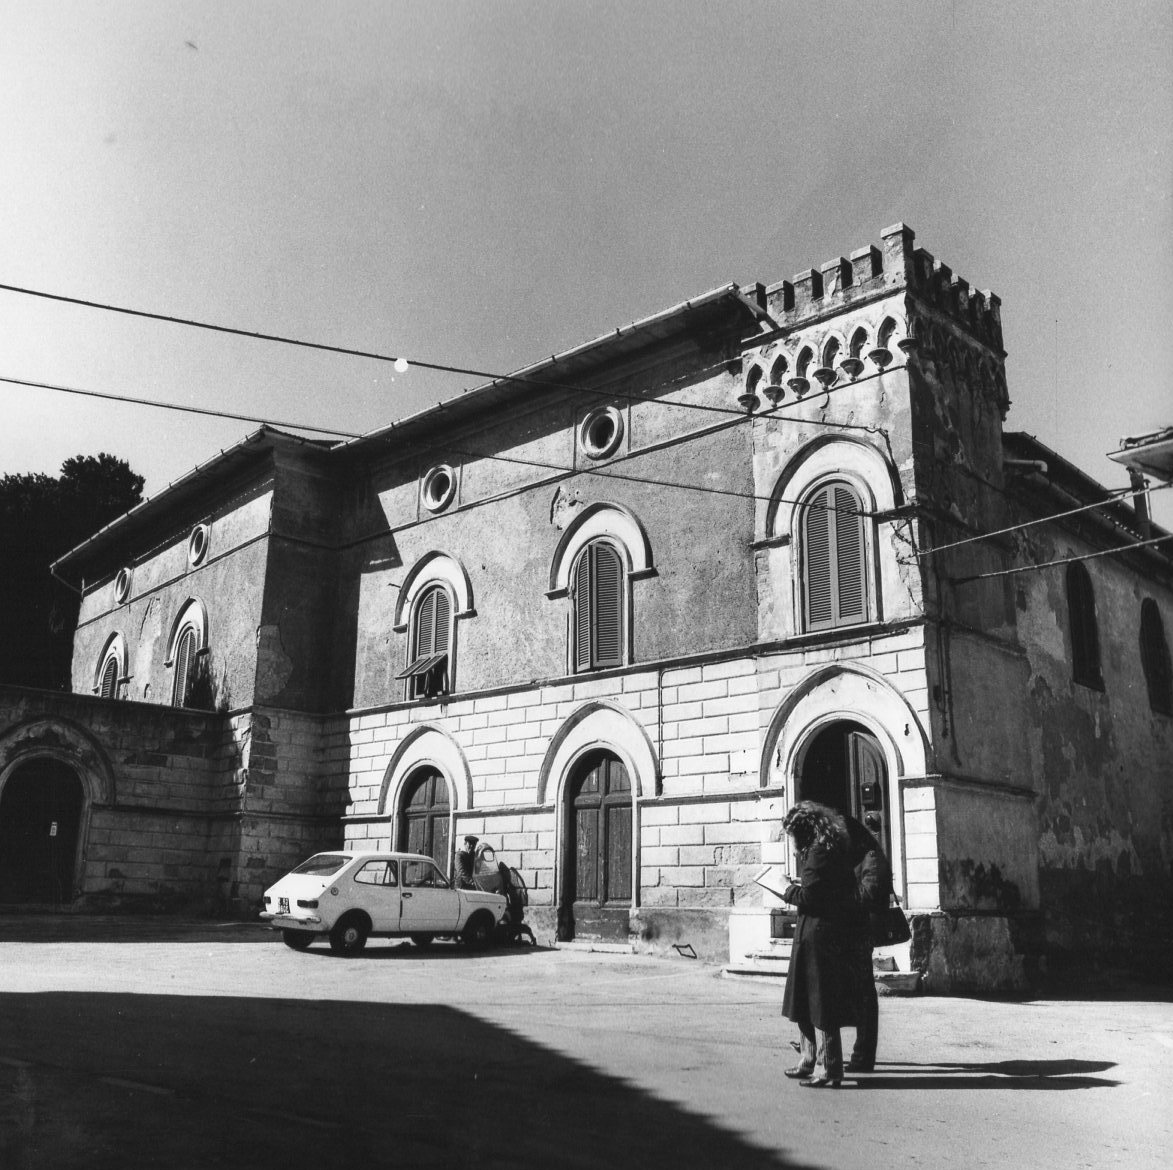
<point x="596" y="871"/>
<point x="40" y="819"/>
<point x="425" y="816"/>
<point x="844" y="767"/>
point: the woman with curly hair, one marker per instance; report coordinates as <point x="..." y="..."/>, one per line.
<point x="819" y="986"/>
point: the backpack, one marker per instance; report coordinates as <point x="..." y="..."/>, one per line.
<point x="873" y="880"/>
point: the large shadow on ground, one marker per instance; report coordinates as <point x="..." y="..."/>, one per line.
<point x="106" y="1081"/>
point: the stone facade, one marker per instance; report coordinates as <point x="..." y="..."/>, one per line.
<point x="932" y="696"/>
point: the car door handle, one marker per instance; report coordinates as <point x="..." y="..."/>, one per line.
<point x="407" y="893"/>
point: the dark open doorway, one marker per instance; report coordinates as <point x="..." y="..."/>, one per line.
<point x="844" y="768"/>
<point x="40" y="818"/>
<point x="596" y="877"/>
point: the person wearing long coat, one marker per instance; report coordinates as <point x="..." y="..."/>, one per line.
<point x="820" y="987"/>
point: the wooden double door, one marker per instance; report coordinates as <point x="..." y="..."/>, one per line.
<point x="597" y="869"/>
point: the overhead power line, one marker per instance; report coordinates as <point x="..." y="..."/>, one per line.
<point x="1107" y="552"/>
<point x="600" y="472"/>
<point x="1115" y="494"/>
<point x="130" y="400"/>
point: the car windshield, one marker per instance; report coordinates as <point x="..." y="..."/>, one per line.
<point x="323" y="863"/>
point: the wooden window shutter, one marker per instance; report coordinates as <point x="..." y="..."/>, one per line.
<point x="109" y="685"/>
<point x="582" y="611"/>
<point x="817" y="553"/>
<point x="835" y="576"/>
<point x="608" y="605"/>
<point x="598" y="608"/>
<point x="850" y="568"/>
<point x="431" y="624"/>
<point x="184" y="664"/>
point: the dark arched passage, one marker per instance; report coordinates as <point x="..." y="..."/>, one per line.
<point x="40" y="820"/>
<point x="844" y="768"/>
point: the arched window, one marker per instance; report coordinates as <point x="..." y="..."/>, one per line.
<point x="424" y="816"/>
<point x="1085" y="634"/>
<point x="184" y="666"/>
<point x="108" y="687"/>
<point x="1154" y="657"/>
<point x="834" y="558"/>
<point x="431" y="627"/>
<point x="111" y="668"/>
<point x="191" y="684"/>
<point x="597" y="602"/>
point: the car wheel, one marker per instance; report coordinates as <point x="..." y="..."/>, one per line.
<point x="423" y="941"/>
<point x="299" y="940"/>
<point x="349" y="936"/>
<point x="478" y="931"/>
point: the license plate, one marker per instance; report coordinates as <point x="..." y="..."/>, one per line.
<point x="282" y="905"/>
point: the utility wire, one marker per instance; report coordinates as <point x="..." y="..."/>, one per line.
<point x="601" y="472"/>
<point x="1063" y="560"/>
<point x="1115" y="495"/>
<point x="177" y="406"/>
<point x="360" y="353"/>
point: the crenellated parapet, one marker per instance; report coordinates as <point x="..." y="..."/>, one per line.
<point x="873" y="272"/>
<point x="856" y="316"/>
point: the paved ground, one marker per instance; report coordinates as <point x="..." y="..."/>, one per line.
<point x="132" y="1043"/>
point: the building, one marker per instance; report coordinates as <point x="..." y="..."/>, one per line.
<point x="614" y="613"/>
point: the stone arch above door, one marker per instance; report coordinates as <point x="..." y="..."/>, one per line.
<point x="60" y="740"/>
<point x="426" y="745"/>
<point x="853" y="693"/>
<point x="599" y="724"/>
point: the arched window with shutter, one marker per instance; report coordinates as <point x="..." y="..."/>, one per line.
<point x="597" y="602"/>
<point x="834" y="558"/>
<point x="108" y="688"/>
<point x="1154" y="658"/>
<point x="111" y="668"/>
<point x="184" y="666"/>
<point x="427" y="671"/>
<point x="1084" y="629"/>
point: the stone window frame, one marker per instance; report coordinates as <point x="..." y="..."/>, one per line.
<point x="192" y="619"/>
<point x="114" y="653"/>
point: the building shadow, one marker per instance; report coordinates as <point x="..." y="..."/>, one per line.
<point x="118" y="1080"/>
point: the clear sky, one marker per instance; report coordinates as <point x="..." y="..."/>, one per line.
<point x="486" y="183"/>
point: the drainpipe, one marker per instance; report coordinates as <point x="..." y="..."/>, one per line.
<point x="1140" y="502"/>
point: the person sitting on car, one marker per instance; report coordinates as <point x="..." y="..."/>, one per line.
<point x="466" y="864"/>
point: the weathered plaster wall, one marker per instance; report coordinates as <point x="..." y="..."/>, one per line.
<point x="229" y="583"/>
<point x="1104" y="761"/>
<point x="699" y="597"/>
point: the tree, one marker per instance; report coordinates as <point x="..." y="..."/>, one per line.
<point x="41" y="518"/>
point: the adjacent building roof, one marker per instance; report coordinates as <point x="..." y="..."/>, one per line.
<point x="1150" y="455"/>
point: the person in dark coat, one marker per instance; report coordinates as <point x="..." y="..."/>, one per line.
<point x="873" y="881"/>
<point x="820" y="986"/>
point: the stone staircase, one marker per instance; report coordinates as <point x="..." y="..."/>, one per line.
<point x="756" y="953"/>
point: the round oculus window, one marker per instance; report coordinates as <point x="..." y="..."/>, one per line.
<point x="122" y="585"/>
<point x="438" y="488"/>
<point x="197" y="544"/>
<point x="600" y="433"/>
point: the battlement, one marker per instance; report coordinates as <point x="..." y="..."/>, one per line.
<point x="871" y="272"/>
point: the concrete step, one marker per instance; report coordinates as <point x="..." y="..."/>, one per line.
<point x="596" y="945"/>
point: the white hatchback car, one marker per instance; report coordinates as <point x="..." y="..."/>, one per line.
<point x="349" y="896"/>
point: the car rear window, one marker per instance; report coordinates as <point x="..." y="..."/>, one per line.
<point x="323" y="863"/>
